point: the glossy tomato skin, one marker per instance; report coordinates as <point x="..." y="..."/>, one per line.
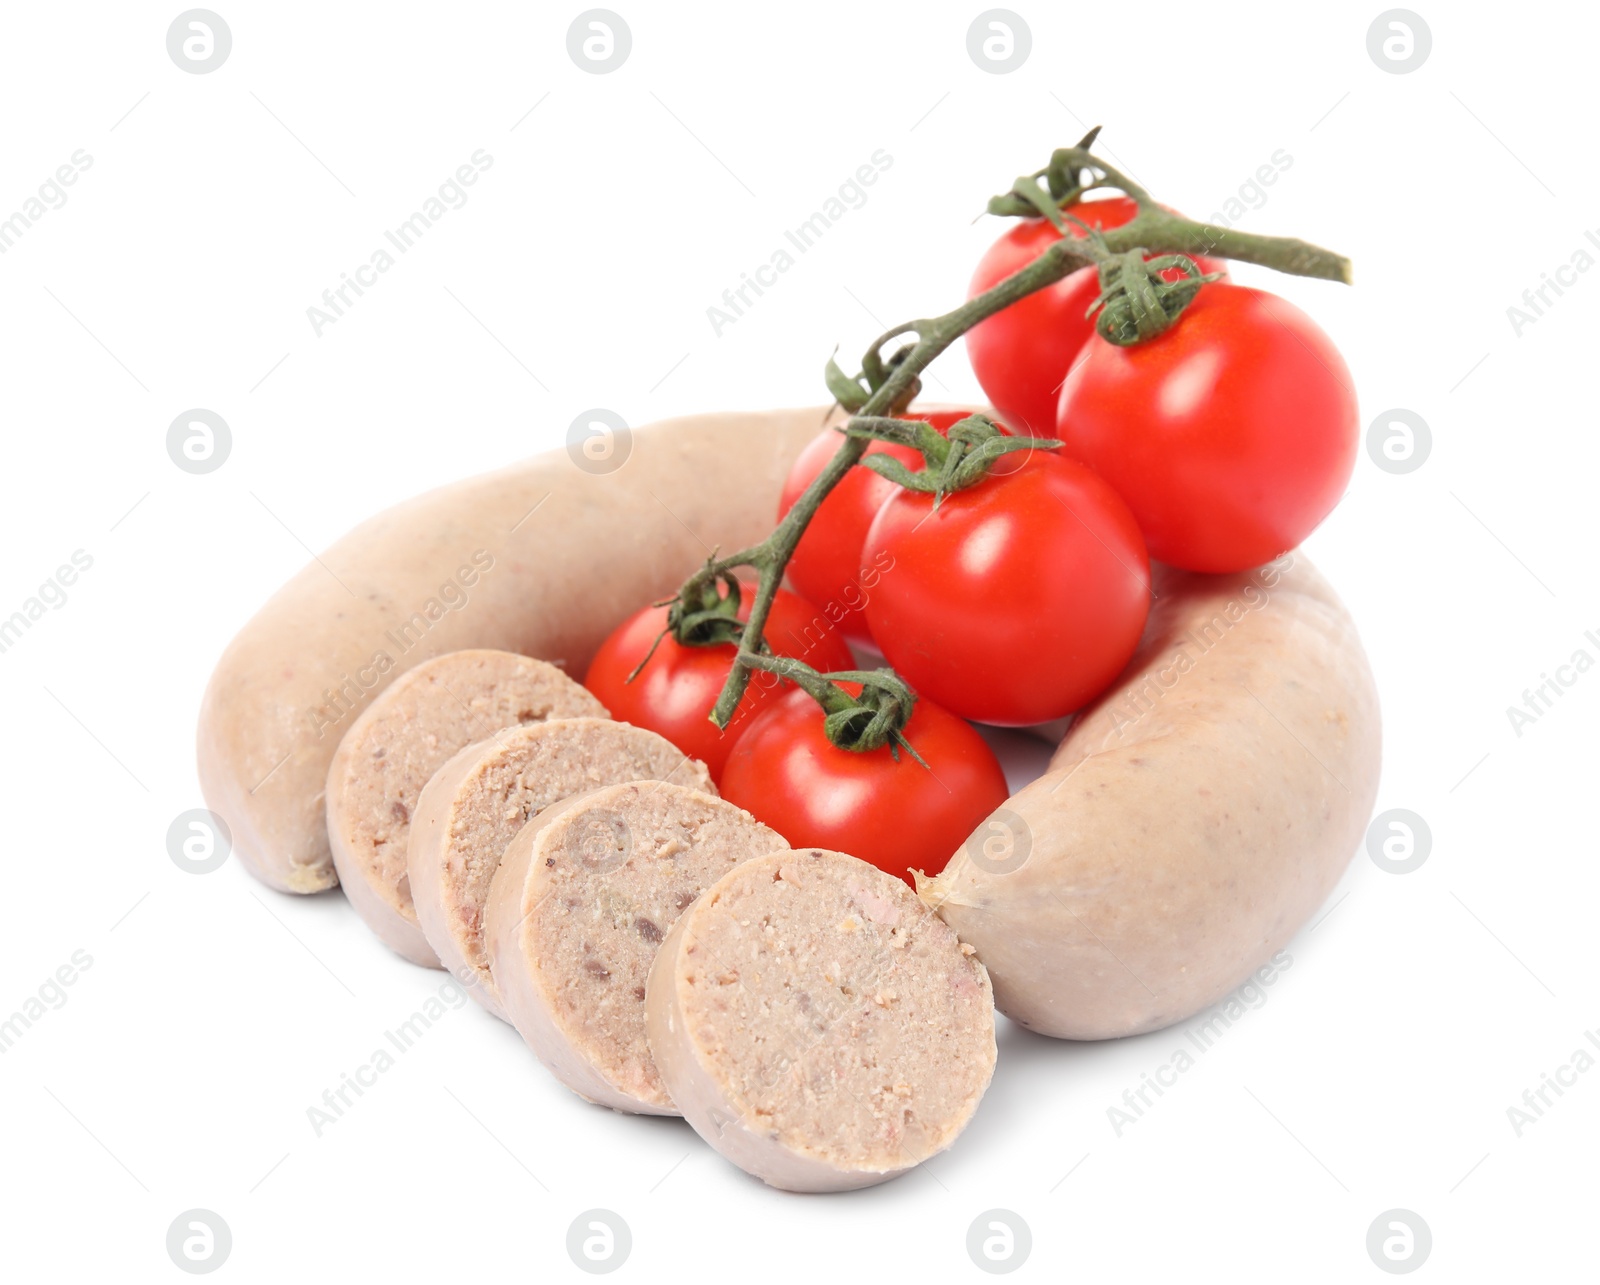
<point x="1231" y="435"/>
<point x="826" y="567"/>
<point x="900" y="816"/>
<point x="1022" y="353"/>
<point x="1019" y="599"/>
<point x="674" y="693"/>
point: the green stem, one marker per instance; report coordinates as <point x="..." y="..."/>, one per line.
<point x="834" y="700"/>
<point x="1172" y="234"/>
<point x="1160" y="231"/>
<point x="870" y="721"/>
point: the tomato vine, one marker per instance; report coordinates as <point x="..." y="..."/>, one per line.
<point x="1135" y="304"/>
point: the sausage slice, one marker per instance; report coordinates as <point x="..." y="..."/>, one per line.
<point x="817" y="1024"/>
<point x="581" y="902"/>
<point x="402" y="739"/>
<point x="475" y="804"/>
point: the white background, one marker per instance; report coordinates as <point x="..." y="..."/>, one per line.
<point x="217" y="209"/>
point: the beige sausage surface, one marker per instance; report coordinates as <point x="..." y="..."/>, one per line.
<point x="530" y="559"/>
<point x="1192" y="819"/>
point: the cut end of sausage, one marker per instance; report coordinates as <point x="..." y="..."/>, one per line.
<point x="391" y="751"/>
<point x="818" y="1025"/>
<point x="478" y="801"/>
<point x="583" y="900"/>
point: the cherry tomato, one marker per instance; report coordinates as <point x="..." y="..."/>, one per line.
<point x="1231" y="435"/>
<point x="1018" y="599"/>
<point x="1022" y="353"/>
<point x="674" y="693"/>
<point x="900" y="816"/>
<point x="826" y="566"/>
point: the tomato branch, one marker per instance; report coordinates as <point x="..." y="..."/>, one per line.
<point x="1156" y="230"/>
<point x="886" y="386"/>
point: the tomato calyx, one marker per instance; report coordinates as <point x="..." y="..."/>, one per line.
<point x="1136" y="300"/>
<point x="860" y="721"/>
<point x="1066" y="178"/>
<point x="706" y="610"/>
<point x="701" y="614"/>
<point x="955" y="460"/>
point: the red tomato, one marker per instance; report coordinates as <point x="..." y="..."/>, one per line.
<point x="826" y="566"/>
<point x="1022" y="353"/>
<point x="674" y="693"/>
<point x="1016" y="601"/>
<point x="899" y="816"/>
<point x="1231" y="435"/>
